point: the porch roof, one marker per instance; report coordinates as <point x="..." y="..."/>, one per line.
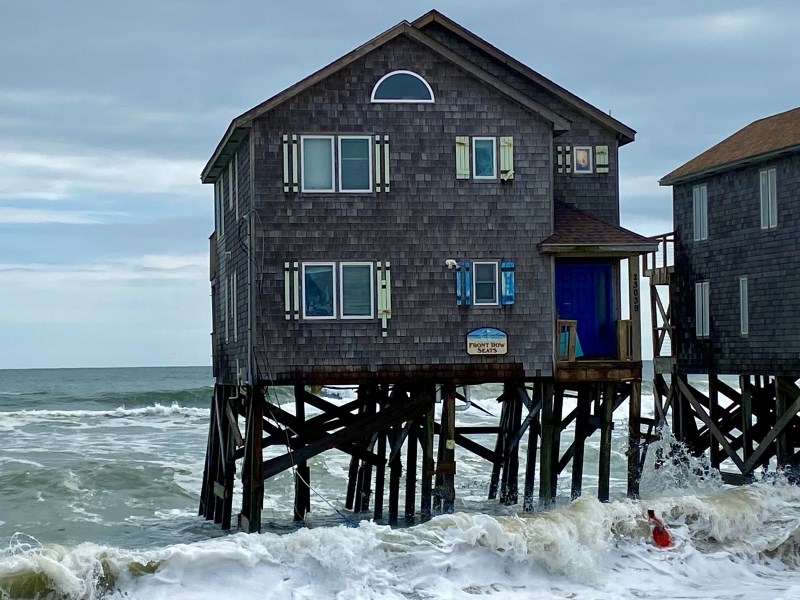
<point x="578" y="233"/>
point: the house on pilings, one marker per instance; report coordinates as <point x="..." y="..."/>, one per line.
<point x="729" y="301"/>
<point x="423" y="213"/>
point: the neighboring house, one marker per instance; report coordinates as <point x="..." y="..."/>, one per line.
<point x="736" y="282"/>
<point x="422" y="187"/>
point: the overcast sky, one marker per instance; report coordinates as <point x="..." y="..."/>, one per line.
<point x="109" y="110"/>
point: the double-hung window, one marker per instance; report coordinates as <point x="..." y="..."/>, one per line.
<point x="700" y="212"/>
<point x="486" y="284"/>
<point x="316" y="155"/>
<point x="338" y="291"/>
<point x="701" y="309"/>
<point x="769" y="199"/>
<point x="355" y="163"/>
<point x="484" y="160"/>
<point x="348" y="169"/>
<point x="357" y="295"/>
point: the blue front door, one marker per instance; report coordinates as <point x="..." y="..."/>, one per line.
<point x="583" y="294"/>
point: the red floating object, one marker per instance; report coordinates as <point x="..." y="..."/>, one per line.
<point x="661" y="536"/>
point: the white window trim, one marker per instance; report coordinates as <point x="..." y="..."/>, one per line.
<point x="702" y="309"/>
<point x="236" y="183"/>
<point x="371" y="290"/>
<point x="496" y="266"/>
<point x="700" y="212"/>
<point x="234" y="301"/>
<point x="769" y="205"/>
<point x="494" y="158"/>
<point x="744" y="306"/>
<point x="370" y="151"/>
<point x="400" y="101"/>
<point x="589" y="152"/>
<point x="220" y="209"/>
<point x="335" y="287"/>
<point x="303" y="138"/>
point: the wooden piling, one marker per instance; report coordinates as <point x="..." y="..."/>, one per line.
<point x="634" y="438"/>
<point x="252" y="480"/>
<point x="533" y="440"/>
<point x="583" y="411"/>
<point x="302" y="483"/>
<point x="411" y="470"/>
<point x="547" y="462"/>
<point x="446" y="463"/>
<point x="509" y="493"/>
<point x="606" y="426"/>
<point x="426" y="442"/>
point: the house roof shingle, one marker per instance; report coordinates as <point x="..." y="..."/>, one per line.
<point x="759" y="140"/>
<point x="577" y="231"/>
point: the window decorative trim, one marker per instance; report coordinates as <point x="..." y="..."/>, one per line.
<point x="370" y="179"/>
<point x="493" y="140"/>
<point x="583" y="160"/>
<point x="429" y="100"/>
<point x="476" y="301"/>
<point x="303" y="188"/>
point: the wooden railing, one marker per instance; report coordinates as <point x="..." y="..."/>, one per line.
<point x="567" y="345"/>
<point x="662" y="259"/>
<point x="566" y="339"/>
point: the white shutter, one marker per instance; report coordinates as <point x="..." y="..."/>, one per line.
<point x="506" y="158"/>
<point x="462" y="157"/>
<point x="764" y="199"/>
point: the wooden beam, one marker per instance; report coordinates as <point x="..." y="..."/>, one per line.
<point x="393" y="415"/>
<point x="703" y="416"/>
<point x="775" y="431"/>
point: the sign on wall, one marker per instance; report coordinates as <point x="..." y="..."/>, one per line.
<point x="487" y="341"/>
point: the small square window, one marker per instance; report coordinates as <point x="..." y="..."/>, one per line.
<point x="319" y="298"/>
<point x="484" y="163"/>
<point x="355" y="164"/>
<point x="317" y="163"/>
<point x="357" y="290"/>
<point x="485" y="291"/>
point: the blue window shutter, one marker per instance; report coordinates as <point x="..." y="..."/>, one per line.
<point x="467" y="283"/>
<point x="458" y="285"/>
<point x="507" y="283"/>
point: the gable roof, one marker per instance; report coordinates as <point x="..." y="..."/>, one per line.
<point x="239" y="127"/>
<point x="760" y="140"/>
<point x="625" y="133"/>
<point x="578" y="232"/>
<point x="241" y="124"/>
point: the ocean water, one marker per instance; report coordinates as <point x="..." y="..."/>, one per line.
<point x="100" y="471"/>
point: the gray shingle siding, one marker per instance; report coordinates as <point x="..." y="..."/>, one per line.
<point x="737" y="246"/>
<point x="597" y="194"/>
<point x="426" y="218"/>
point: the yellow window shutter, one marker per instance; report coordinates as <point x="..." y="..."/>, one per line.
<point x="506" y="158"/>
<point x="462" y="157"/>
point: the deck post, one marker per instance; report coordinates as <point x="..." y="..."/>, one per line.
<point x="509" y="491"/>
<point x="715" y="452"/>
<point x="747" y="417"/>
<point x="499" y="448"/>
<point x="380" y="470"/>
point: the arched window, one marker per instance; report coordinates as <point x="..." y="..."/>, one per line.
<point x="402" y="86"/>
